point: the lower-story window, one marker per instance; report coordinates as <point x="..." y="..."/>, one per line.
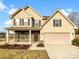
<point x="22" y="37"/>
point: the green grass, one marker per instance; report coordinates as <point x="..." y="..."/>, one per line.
<point x="23" y="54"/>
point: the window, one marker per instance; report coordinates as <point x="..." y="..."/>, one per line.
<point x="57" y="22"/>
<point x="37" y="23"/>
<point x="26" y="22"/>
<point x="17" y="21"/>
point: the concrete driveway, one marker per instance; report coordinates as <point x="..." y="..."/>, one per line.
<point x="62" y="51"/>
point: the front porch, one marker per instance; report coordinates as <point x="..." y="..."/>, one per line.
<point x="23" y="37"/>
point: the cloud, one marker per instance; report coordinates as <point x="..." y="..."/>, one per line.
<point x="2" y="7"/>
<point x="8" y="23"/>
<point x="66" y="11"/>
<point x="12" y="9"/>
<point x="63" y="11"/>
<point x="1" y="0"/>
<point x="12" y="6"/>
<point x="69" y="10"/>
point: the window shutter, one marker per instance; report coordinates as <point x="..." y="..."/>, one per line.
<point x="14" y="22"/>
<point x="54" y="22"/>
<point x="60" y="22"/>
<point x="32" y="21"/>
<point x="20" y="22"/>
<point x="39" y="22"/>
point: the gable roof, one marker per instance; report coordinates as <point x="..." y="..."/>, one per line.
<point x="13" y="14"/>
<point x="33" y="10"/>
<point x="63" y="16"/>
<point x="17" y="11"/>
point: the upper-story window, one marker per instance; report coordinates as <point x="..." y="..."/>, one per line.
<point x="26" y="21"/>
<point x="17" y="21"/>
<point x="57" y="22"/>
<point x="23" y="22"/>
<point x="37" y="23"/>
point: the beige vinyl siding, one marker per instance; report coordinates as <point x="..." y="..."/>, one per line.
<point x="66" y="27"/>
<point x="28" y="13"/>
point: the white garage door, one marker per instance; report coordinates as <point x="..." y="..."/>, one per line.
<point x="51" y="38"/>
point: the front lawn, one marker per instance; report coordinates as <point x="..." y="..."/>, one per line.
<point x="23" y="54"/>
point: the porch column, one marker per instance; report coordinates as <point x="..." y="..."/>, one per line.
<point x="7" y="36"/>
<point x="14" y="37"/>
<point x="30" y="22"/>
<point x="30" y="36"/>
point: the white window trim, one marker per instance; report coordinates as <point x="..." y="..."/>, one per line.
<point x="17" y="21"/>
<point x="57" y="22"/>
<point x="36" y="21"/>
<point x="26" y="20"/>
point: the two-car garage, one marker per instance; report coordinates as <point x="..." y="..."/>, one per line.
<point x="57" y="38"/>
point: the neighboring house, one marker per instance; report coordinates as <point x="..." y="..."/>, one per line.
<point x="29" y="26"/>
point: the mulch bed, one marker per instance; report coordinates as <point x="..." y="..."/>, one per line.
<point x="14" y="46"/>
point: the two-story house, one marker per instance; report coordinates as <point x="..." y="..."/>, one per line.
<point x="29" y="26"/>
<point x="26" y="25"/>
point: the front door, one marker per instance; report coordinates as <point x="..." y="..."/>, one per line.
<point x="36" y="37"/>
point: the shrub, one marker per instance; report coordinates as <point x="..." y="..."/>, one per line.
<point x="75" y="42"/>
<point x="40" y="44"/>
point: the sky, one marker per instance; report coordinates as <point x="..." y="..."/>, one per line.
<point x="44" y="7"/>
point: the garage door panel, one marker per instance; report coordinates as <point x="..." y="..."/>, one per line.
<point x="57" y="38"/>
